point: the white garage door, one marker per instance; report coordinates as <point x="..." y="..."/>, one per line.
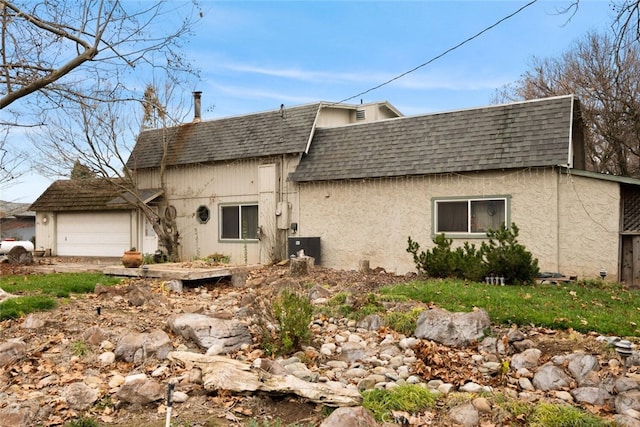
<point x="93" y="233"/>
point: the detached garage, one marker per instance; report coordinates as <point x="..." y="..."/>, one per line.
<point x="80" y="218"/>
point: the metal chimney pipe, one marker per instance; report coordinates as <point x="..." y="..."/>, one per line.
<point x="196" y="106"/>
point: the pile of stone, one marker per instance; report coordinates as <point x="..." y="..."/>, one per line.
<point x="217" y="351"/>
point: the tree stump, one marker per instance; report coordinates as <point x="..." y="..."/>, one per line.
<point x="20" y="256"/>
<point x="301" y="266"/>
<point x="364" y="266"/>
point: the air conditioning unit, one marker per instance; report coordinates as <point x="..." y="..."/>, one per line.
<point x="310" y="246"/>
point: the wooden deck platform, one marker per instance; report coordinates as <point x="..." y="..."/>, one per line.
<point x="171" y="271"/>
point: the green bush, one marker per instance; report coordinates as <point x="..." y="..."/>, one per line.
<point x="293" y="313"/>
<point x="501" y="255"/>
<point x="505" y="257"/>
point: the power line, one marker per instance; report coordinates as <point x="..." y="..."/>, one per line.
<point x="451" y="49"/>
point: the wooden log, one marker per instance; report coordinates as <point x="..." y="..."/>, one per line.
<point x="223" y="373"/>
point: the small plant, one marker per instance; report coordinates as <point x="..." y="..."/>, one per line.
<point x="147" y="258"/>
<point x="404" y="321"/>
<point x="293" y="313"/>
<point x="82" y="422"/>
<point x="275" y="423"/>
<point x="79" y="348"/>
<point x="218" y="258"/>
<point x="407" y="397"/>
<point x="551" y="415"/>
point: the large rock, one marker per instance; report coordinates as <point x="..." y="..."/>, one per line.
<point x="20" y="256"/>
<point x="11" y="351"/>
<point x="80" y="396"/>
<point x="550" y="377"/>
<point x="218" y="336"/>
<point x="590" y="395"/>
<point x="465" y="415"/>
<point x="357" y="416"/>
<point x="137" y="348"/>
<point x="580" y="365"/>
<point x="528" y="359"/>
<point x="629" y="400"/>
<point x="17" y="414"/>
<point x="141" y="391"/>
<point x="454" y="329"/>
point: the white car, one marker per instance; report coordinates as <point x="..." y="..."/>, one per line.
<point x="8" y="244"/>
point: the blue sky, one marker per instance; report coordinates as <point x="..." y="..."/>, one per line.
<point x="256" y="55"/>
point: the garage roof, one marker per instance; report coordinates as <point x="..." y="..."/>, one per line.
<point x="79" y="195"/>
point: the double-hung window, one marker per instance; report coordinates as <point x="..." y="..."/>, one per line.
<point x="239" y="222"/>
<point x="469" y="215"/>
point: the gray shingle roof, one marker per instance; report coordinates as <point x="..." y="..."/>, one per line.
<point x="242" y="137"/>
<point x="525" y="134"/>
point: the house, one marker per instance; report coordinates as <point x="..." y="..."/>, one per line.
<point x="353" y="182"/>
<point x="226" y="179"/>
<point x="17" y="221"/>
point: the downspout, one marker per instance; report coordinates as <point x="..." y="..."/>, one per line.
<point x="558" y="218"/>
<point x="568" y="167"/>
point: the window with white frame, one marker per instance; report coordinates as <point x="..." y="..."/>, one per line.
<point x="469" y="215"/>
<point x="239" y="222"/>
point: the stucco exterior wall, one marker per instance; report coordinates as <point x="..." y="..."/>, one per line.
<point x="372" y="219"/>
<point x="212" y="185"/>
<point x="589" y="221"/>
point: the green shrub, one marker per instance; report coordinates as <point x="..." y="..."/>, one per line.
<point x="501" y="256"/>
<point x="437" y="262"/>
<point x="505" y="257"/>
<point x="293" y="313"/>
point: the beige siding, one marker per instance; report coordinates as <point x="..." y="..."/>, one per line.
<point x="212" y="185"/>
<point x="338" y="116"/>
<point x="372" y="219"/>
<point x="46" y="231"/>
<point x="589" y="222"/>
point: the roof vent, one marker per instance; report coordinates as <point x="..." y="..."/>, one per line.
<point x="360" y="115"/>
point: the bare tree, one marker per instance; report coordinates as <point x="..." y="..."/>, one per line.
<point x="95" y="140"/>
<point x="62" y="50"/>
<point x="627" y="23"/>
<point x="58" y="56"/>
<point x="607" y="84"/>
<point x="11" y="161"/>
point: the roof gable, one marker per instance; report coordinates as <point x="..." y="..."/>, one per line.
<point x="524" y="134"/>
<point x="277" y="132"/>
